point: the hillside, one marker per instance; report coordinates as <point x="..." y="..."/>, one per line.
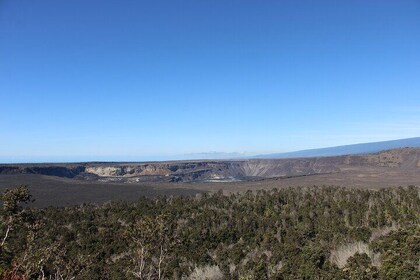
<point x="70" y="184"/>
<point x="207" y="171"/>
<point x="363" y="148"/>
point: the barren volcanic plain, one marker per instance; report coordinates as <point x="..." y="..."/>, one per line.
<point x="61" y="184"/>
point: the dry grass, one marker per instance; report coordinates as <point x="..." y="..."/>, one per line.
<point x="206" y="273"/>
<point x="340" y="255"/>
<point x="377" y="233"/>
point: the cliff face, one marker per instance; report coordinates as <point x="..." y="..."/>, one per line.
<point x="59" y="171"/>
<point x="406" y="158"/>
<point x="290" y="167"/>
<point x="196" y="171"/>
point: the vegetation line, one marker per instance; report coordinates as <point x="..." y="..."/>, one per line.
<point x="292" y="233"/>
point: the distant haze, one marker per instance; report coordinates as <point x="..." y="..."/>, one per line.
<point x="361" y="148"/>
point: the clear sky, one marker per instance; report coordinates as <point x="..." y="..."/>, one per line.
<point x="139" y="80"/>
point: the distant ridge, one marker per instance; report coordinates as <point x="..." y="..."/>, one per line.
<point x="363" y="148"/>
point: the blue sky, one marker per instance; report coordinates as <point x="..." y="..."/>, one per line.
<point x="139" y="80"/>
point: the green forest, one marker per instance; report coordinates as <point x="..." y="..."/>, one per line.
<point x="291" y="233"/>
